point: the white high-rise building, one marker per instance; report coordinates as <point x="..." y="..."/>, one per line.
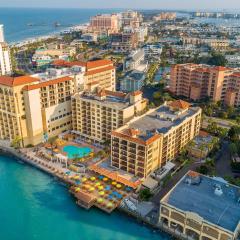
<point x="5" y="60"/>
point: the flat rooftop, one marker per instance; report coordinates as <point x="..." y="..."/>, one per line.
<point x="160" y="120"/>
<point x="222" y="209"/>
<point x="116" y="102"/>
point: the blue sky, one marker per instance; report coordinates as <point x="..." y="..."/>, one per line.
<point x="148" y="4"/>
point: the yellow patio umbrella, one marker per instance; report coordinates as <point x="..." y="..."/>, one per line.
<point x="84" y="179"/>
<point x="97" y="184"/>
<point x="105" y="179"/>
<point x="77" y="189"/>
<point x="100" y="187"/>
<point x="100" y="200"/>
<point x="101" y="193"/>
<point x="76" y="177"/>
<point x="91" y="189"/>
<point x="92" y="178"/>
<point x="109" y="205"/>
<point x="114" y="183"/>
<point x="118" y="185"/>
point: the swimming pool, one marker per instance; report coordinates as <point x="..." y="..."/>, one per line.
<point x="76" y="152"/>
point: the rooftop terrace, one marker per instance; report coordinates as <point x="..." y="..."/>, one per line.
<point x="115" y="100"/>
<point x="214" y="200"/>
<point x="160" y="120"/>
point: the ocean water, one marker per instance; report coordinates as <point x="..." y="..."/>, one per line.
<point x="24" y="23"/>
<point x="35" y="206"/>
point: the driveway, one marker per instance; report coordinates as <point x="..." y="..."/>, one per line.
<point x="223" y="161"/>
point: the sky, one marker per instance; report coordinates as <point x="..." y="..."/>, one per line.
<point x="134" y="4"/>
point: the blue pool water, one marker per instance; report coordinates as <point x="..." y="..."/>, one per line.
<point x="35" y="206"/>
<point x="79" y="152"/>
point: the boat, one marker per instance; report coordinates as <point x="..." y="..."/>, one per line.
<point x="57" y="24"/>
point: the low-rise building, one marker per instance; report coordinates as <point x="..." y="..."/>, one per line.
<point x="202" y="207"/>
<point x="233" y="60"/>
<point x="132" y="81"/>
<point x="95" y="115"/>
<point x="215" y="43"/>
<point x="135" y="59"/>
<point x="148" y="142"/>
<point x="153" y="50"/>
<point x="201" y="145"/>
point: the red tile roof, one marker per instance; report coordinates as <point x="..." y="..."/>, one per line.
<point x="179" y="104"/>
<point x="48" y="83"/>
<point x="138" y="92"/>
<point x="98" y="63"/>
<point x="96" y="71"/>
<point x="116" y="94"/>
<point x="17" y="81"/>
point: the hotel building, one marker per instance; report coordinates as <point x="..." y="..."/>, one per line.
<point x="105" y="23"/>
<point x="38" y="107"/>
<point x="202" y="208"/>
<point x="196" y="81"/>
<point x="5" y="61"/>
<point x="95" y="115"/>
<point x="148" y="142"/>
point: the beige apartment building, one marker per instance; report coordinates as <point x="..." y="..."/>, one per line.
<point x="38" y="107"/>
<point x="95" y="115"/>
<point x="148" y="142"/>
<point x="199" y="207"/>
<point x="12" y="107"/>
<point x="217" y="44"/>
<point x="108" y="23"/>
<point x="197" y="81"/>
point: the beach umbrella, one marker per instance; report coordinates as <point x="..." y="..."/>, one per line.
<point x="118" y="186"/>
<point x="101" y="177"/>
<point x="100" y="200"/>
<point x="109" y="205"/>
<point x="84" y="179"/>
<point x="100" y="187"/>
<point x="105" y="179"/>
<point x="77" y="189"/>
<point x="107" y="188"/>
<point x="76" y="177"/>
<point x="101" y="193"/>
<point x="114" y="183"/>
<point x="91" y="189"/>
<point x="77" y="182"/>
<point x="92" y="178"/>
<point x="97" y="184"/>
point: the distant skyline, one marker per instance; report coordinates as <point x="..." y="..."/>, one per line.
<point x="135" y="4"/>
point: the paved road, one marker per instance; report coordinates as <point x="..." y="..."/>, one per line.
<point x="223" y="161"/>
<point x="220" y="122"/>
<point x="172" y="182"/>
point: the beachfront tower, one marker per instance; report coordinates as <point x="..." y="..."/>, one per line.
<point x="5" y="61"/>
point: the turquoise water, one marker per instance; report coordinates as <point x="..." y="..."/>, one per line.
<point x="35" y="206"/>
<point x="79" y="152"/>
<point x="23" y="23"/>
